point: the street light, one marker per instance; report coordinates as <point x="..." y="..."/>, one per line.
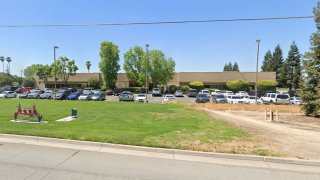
<point x="256" y="84"/>
<point x="55" y="66"/>
<point x="147" y="56"/>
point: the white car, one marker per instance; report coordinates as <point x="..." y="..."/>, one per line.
<point x="235" y="99"/>
<point x="295" y="100"/>
<point x="207" y="92"/>
<point x="8" y="94"/>
<point x="141" y="98"/>
<point x="228" y="93"/>
<point x="216" y="92"/>
<point x="242" y="94"/>
<point x="168" y="97"/>
<point x="252" y="100"/>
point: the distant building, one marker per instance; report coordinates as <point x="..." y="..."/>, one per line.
<point x="210" y="79"/>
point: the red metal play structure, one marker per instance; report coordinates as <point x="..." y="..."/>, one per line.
<point x="27" y="111"/>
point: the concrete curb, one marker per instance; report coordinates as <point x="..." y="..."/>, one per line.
<point x="172" y="152"/>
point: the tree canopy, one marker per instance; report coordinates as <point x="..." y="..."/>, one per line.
<point x="238" y="85"/>
<point x="109" y="64"/>
<point x="65" y="69"/>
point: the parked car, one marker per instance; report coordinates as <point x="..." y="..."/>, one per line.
<point x="202" y="98"/>
<point x="242" y="94"/>
<point x="61" y="94"/>
<point x="87" y="90"/>
<point x="227" y="93"/>
<point x="97" y="96"/>
<point x="8" y="94"/>
<point x="205" y="91"/>
<point x="74" y="96"/>
<point x="26" y="89"/>
<point x="156" y="92"/>
<point x="141" y="98"/>
<point x="86" y="95"/>
<point x="168" y="97"/>
<point x="234" y="99"/>
<point x="109" y="92"/>
<point x="48" y="94"/>
<point x="126" y="96"/>
<point x="216" y="92"/>
<point x="252" y="100"/>
<point x="219" y="99"/>
<point x="35" y="93"/>
<point x="295" y="100"/>
<point x="24" y="95"/>
<point x="268" y="97"/>
<point x="178" y="93"/>
<point x="192" y="93"/>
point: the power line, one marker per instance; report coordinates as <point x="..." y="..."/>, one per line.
<point x="158" y="22"/>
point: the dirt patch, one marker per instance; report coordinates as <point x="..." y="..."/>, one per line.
<point x="292" y="135"/>
<point x="248" y="107"/>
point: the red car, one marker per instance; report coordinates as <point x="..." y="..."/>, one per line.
<point x="25" y="89"/>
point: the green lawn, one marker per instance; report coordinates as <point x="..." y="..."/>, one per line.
<point x="155" y="125"/>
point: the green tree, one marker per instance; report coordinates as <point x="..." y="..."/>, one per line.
<point x="2" y="60"/>
<point x="196" y="85"/>
<point x="238" y="85"/>
<point x="65" y="69"/>
<point x="5" y="79"/>
<point x="267" y="84"/>
<point x="88" y="65"/>
<point x="235" y="67"/>
<point x="277" y="60"/>
<point x="228" y="67"/>
<point x="283" y="76"/>
<point x="160" y="68"/>
<point x="109" y="64"/>
<point x="31" y="71"/>
<point x="134" y="64"/>
<point x="310" y="88"/>
<point x="28" y="82"/>
<point x="44" y="72"/>
<point x="294" y="67"/>
<point x="266" y="64"/>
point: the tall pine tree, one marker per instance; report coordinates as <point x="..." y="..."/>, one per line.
<point x="266" y="64"/>
<point x="310" y="89"/>
<point x="235" y="67"/>
<point x="294" y="67"/>
<point x="276" y="61"/>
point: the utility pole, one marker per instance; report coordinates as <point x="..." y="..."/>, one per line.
<point x="256" y="83"/>
<point x="147" y="56"/>
<point x="55" y="67"/>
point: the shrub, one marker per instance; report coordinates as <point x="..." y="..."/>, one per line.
<point x="267" y="84"/>
<point x="94" y="83"/>
<point x="196" y="85"/>
<point x="185" y="88"/>
<point x="238" y="85"/>
<point x="29" y="82"/>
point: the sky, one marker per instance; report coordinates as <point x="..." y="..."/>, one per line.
<point x="201" y="47"/>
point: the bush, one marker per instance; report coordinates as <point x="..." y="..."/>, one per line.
<point x="15" y="84"/>
<point x="196" y="85"/>
<point x="185" y="88"/>
<point x="238" y="85"/>
<point x="267" y="84"/>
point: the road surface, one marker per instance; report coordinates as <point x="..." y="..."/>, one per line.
<point x="25" y="161"/>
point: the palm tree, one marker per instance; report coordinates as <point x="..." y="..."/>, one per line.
<point x="2" y="60"/>
<point x="88" y="64"/>
<point x="9" y="60"/>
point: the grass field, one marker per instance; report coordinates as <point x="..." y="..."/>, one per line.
<point x="125" y="123"/>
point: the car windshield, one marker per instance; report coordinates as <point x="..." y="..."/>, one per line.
<point x="179" y="91"/>
<point x="236" y="97"/>
<point x="75" y="93"/>
<point x="220" y="96"/>
<point x="125" y="93"/>
<point x="283" y="96"/>
<point x="156" y="89"/>
<point x="193" y="91"/>
<point x="252" y="97"/>
<point x="97" y="92"/>
<point x="25" y="93"/>
<point x="297" y="98"/>
<point x="205" y="91"/>
<point x="203" y="95"/>
<point x="141" y="95"/>
<point x="169" y="96"/>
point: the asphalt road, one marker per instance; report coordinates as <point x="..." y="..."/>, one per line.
<point x="22" y="161"/>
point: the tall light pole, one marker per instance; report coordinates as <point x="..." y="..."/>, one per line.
<point x="256" y="83"/>
<point x="147" y="57"/>
<point x="55" y="66"/>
